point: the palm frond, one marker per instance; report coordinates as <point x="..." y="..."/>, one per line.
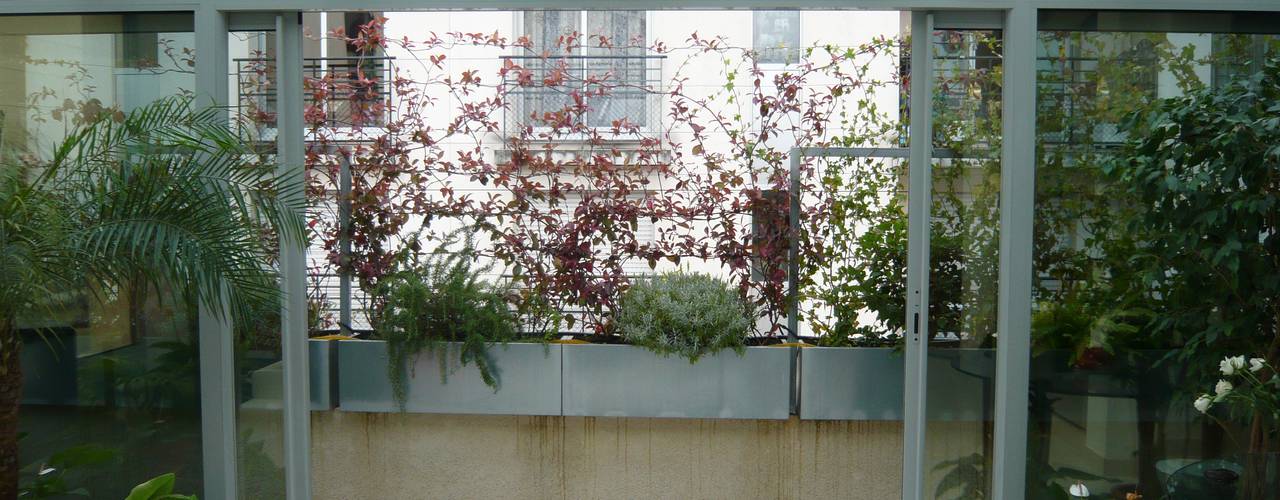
<point x="170" y="194"/>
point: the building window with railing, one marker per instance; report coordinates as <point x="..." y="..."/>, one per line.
<point x="589" y="69"/>
<point x="351" y="88"/>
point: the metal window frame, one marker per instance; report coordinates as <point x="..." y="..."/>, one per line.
<point x="217" y="339"/>
<point x="291" y="165"/>
<point x="1019" y="18"/>
<point x="1017" y="206"/>
<point x="919" y="201"/>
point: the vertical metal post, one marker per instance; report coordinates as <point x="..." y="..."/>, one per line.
<point x="291" y="159"/>
<point x="919" y="197"/>
<point x="1017" y="205"/>
<point x="344" y="240"/>
<point x="217" y="352"/>
<point x="793" y="277"/>
<point x="793" y="251"/>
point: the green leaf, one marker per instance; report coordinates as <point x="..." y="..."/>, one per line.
<point x="155" y="489"/>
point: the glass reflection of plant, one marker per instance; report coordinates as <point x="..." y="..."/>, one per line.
<point x="1148" y="224"/>
<point x="168" y="194"/>
<point x="1090" y="294"/>
<point x="1203" y="177"/>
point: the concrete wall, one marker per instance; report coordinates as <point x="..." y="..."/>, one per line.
<point x="413" y="456"/>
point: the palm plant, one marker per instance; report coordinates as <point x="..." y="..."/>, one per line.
<point x="168" y="195"/>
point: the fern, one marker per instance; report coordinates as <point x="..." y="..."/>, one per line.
<point x="422" y="306"/>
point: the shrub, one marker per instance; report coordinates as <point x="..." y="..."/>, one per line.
<point x="692" y="315"/>
<point x="419" y="306"/>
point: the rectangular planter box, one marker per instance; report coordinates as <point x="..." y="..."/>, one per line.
<point x="529" y="381"/>
<point x="323" y="374"/>
<point x="850" y="383"/>
<point x="629" y="381"/>
<point x="860" y="383"/>
<point x="267" y="383"/>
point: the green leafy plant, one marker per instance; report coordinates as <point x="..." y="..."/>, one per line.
<point x="1200" y="173"/>
<point x="421" y="306"/>
<point x="158" y="488"/>
<point x="1205" y="168"/>
<point x="50" y="478"/>
<point x="168" y="194"/>
<point x="688" y="314"/>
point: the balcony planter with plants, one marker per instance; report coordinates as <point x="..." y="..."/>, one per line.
<point x="699" y="319"/>
<point x="528" y="380"/>
<point x="712" y="375"/>
<point x="445" y="347"/>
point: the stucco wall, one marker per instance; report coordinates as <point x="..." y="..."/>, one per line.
<point x="413" y="456"/>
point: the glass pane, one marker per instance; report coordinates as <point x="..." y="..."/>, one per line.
<point x="857" y="294"/>
<point x="259" y="368"/>
<point x="110" y="392"/>
<point x="594" y="152"/>
<point x="776" y="36"/>
<point x="964" y="244"/>
<point x="1146" y="243"/>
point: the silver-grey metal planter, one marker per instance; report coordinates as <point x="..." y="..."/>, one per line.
<point x="629" y="381"/>
<point x="529" y="377"/>
<point x="850" y="383"/>
<point x="323" y="373"/>
<point x="267" y="383"/>
<point x="861" y="383"/>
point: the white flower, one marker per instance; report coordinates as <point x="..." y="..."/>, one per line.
<point x="1079" y="490"/>
<point x="1230" y="365"/>
<point x="1256" y="364"/>
<point x="1222" y="389"/>
<point x="1202" y="403"/>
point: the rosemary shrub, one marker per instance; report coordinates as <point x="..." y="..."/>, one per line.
<point x="688" y="314"/>
<point x="420" y="306"/>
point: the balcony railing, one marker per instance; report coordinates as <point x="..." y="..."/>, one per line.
<point x="357" y="91"/>
<point x="614" y="89"/>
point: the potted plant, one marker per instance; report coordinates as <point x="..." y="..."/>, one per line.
<point x="696" y="318"/>
<point x="438" y="315"/>
<point x="1250" y="392"/>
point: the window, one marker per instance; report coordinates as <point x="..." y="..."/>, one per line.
<point x="613" y="43"/>
<point x="139" y="46"/>
<point x="775" y="35"/>
<point x="113" y="370"/>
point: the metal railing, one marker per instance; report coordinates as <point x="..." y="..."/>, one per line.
<point x="352" y="91"/>
<point x="613" y="89"/>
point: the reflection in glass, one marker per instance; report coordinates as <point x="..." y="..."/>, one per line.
<point x="963" y="264"/>
<point x="1123" y="337"/>
<point x="259" y="366"/>
<point x="110" y="396"/>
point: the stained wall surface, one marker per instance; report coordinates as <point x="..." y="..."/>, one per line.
<point x="413" y="456"/>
